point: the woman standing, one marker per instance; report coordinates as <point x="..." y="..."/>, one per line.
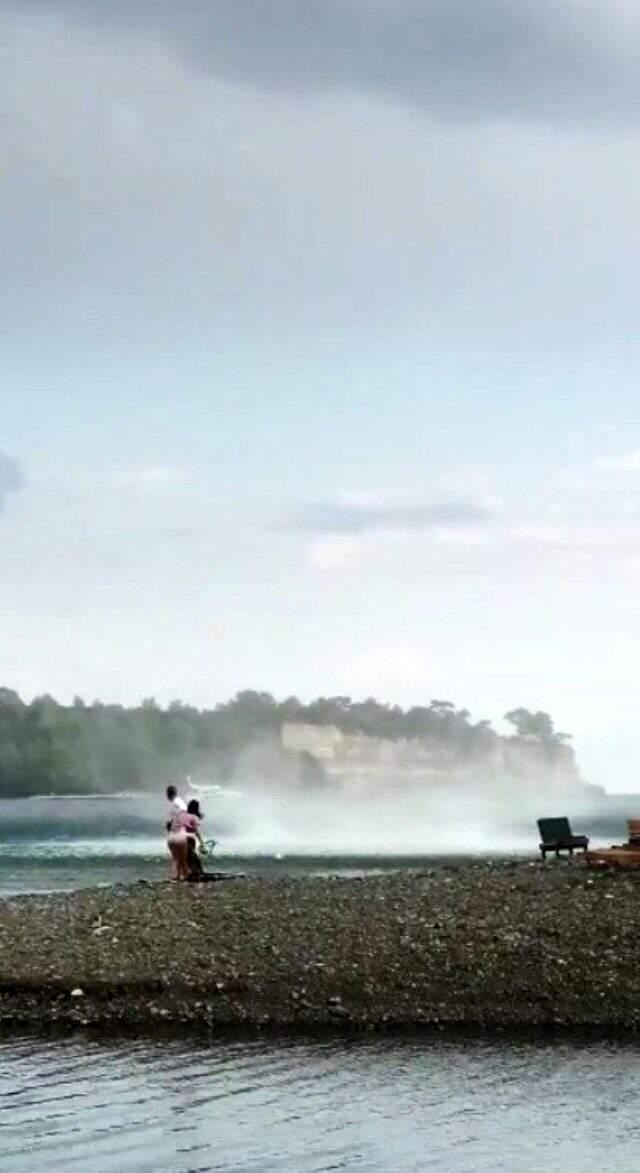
<point x="178" y="845"/>
<point x="191" y="822"/>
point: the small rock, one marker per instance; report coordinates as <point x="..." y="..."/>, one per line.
<point x="77" y="993"/>
<point x="339" y="1011"/>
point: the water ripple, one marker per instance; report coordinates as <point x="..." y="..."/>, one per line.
<point x="310" y="1107"/>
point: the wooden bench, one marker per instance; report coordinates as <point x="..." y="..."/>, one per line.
<point x="556" y="835"/>
<point x="633" y="831"/>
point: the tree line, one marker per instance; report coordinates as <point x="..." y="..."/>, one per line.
<point x="49" y="748"/>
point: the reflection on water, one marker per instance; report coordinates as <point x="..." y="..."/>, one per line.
<point x="299" y="1107"/>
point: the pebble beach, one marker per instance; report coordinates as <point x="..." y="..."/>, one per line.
<point x="503" y="944"/>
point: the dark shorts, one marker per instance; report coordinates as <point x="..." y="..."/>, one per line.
<point x="193" y="859"/>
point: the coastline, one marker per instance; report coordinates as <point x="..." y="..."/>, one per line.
<point x="508" y="944"/>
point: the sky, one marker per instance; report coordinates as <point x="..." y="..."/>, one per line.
<point x="318" y="355"/>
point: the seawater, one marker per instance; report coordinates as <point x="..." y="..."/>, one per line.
<point x="58" y="866"/>
<point x="192" y="1106"/>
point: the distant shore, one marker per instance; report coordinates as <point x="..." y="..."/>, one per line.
<point x="509" y="944"/>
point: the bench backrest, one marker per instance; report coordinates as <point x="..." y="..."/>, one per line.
<point x="554" y="829"/>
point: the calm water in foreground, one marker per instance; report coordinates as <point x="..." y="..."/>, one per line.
<point x="299" y="1107"/>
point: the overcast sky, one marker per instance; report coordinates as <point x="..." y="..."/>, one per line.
<point x="320" y="354"/>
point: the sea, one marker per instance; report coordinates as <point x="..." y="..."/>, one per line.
<point x="199" y="1103"/>
<point x="195" y="1105"/>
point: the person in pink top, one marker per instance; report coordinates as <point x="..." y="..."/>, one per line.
<point x="177" y="840"/>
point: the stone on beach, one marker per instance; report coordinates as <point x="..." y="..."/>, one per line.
<point x="474" y="943"/>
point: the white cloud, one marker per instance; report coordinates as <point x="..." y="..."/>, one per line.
<point x="558" y="545"/>
<point x="338" y="552"/>
<point x="623" y="462"/>
<point x="462" y="537"/>
<point x="150" y="477"/>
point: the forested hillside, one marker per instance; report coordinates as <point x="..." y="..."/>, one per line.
<point x="48" y="748"/>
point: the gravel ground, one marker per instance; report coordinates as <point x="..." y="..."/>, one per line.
<point x="509" y="944"/>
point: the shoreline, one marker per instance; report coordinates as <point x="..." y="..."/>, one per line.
<point x="505" y="946"/>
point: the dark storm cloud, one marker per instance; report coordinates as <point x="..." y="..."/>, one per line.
<point x="457" y="58"/>
<point x="11" y="477"/>
<point x="336" y="518"/>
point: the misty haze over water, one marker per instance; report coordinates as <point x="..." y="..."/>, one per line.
<point x="47" y="844"/>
